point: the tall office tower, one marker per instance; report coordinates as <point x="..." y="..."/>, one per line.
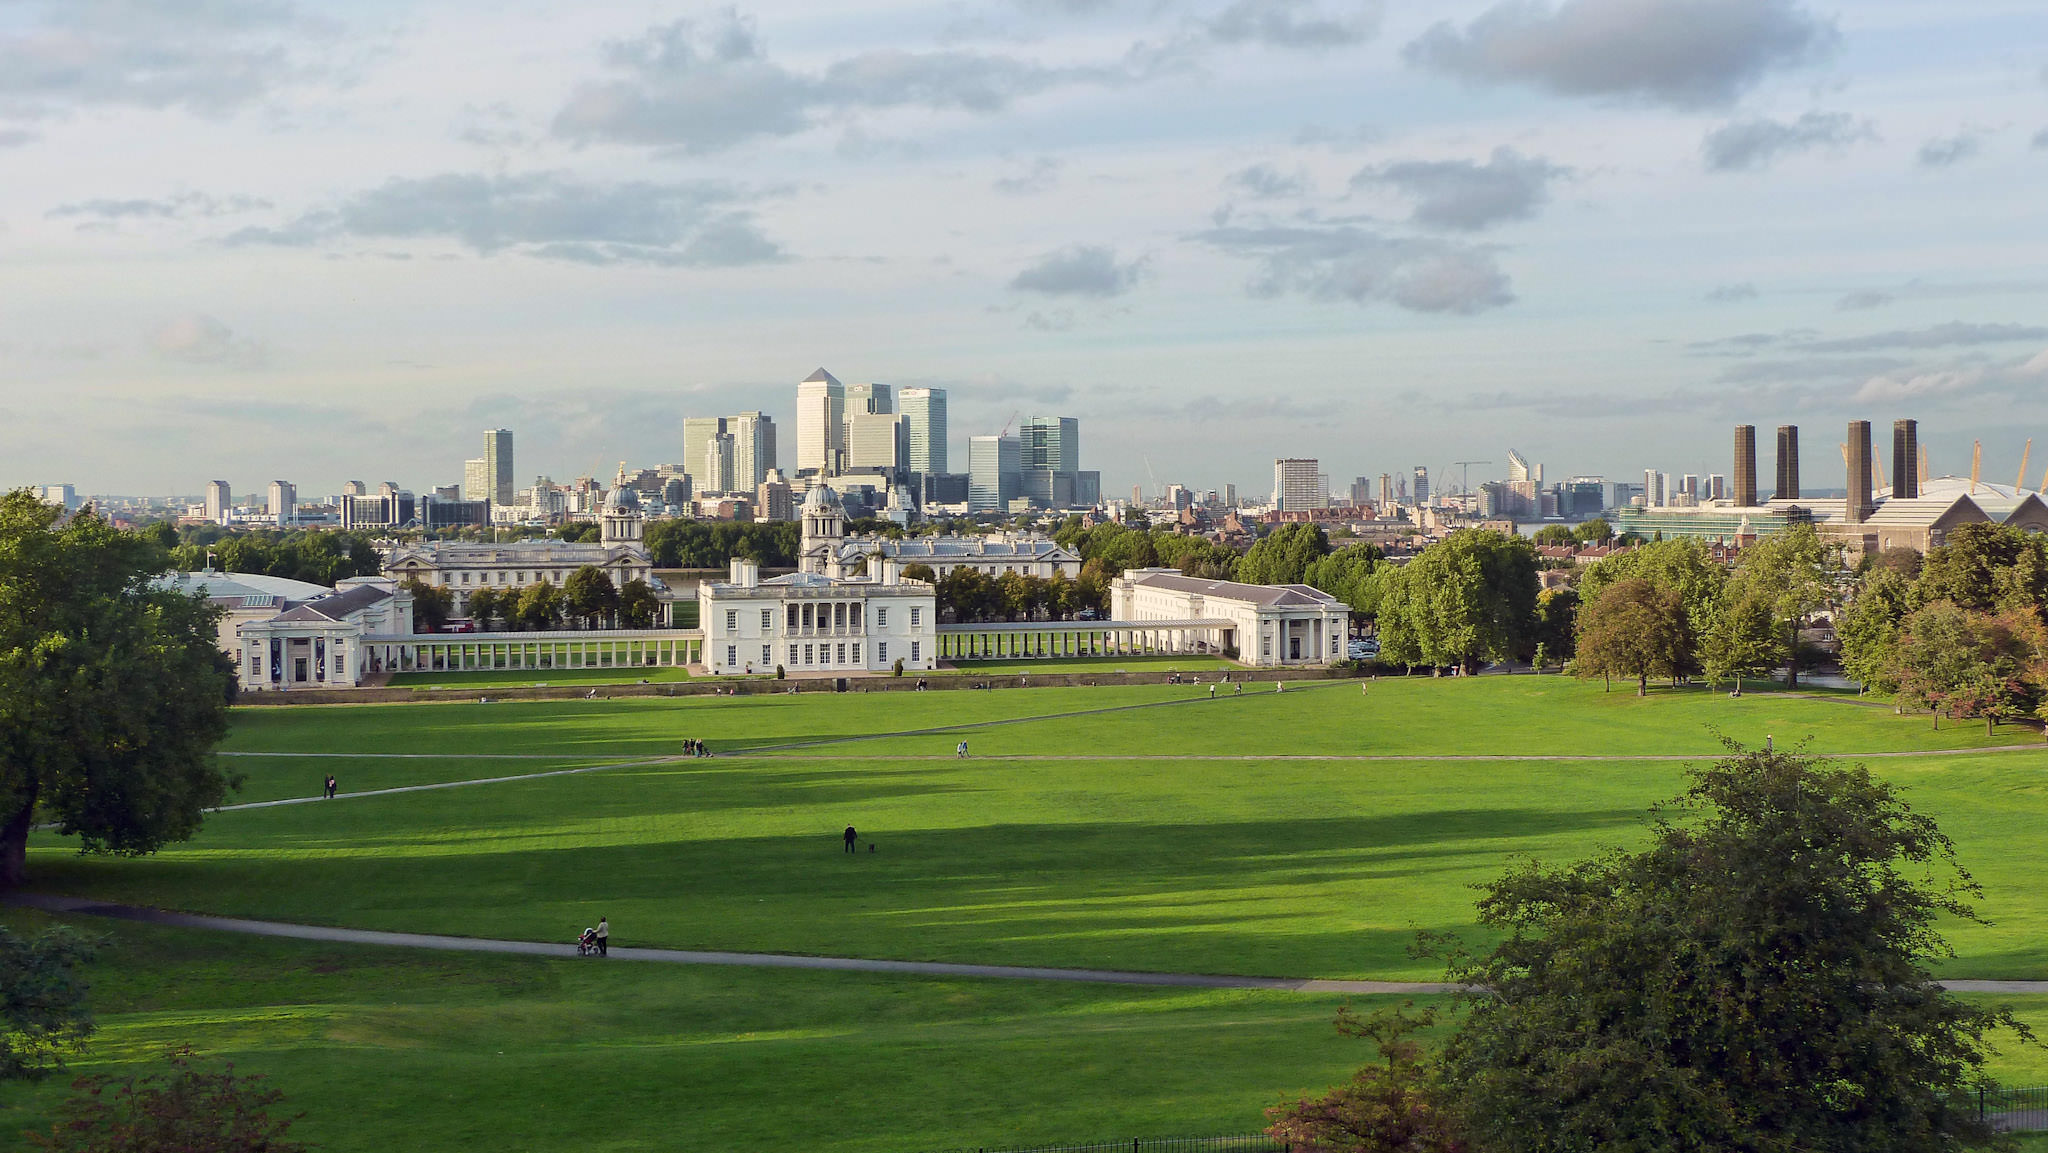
<point x="820" y="425"/>
<point x="874" y="444"/>
<point x="476" y="479"/>
<point x="1229" y="496"/>
<point x="1788" y="463"/>
<point x="992" y="468"/>
<point x="284" y="502"/>
<point x="1656" y="488"/>
<point x="753" y="449"/>
<point x="1745" y="465"/>
<point x="718" y="465"/>
<point x="358" y="488"/>
<point x="1137" y="496"/>
<point x="924" y="427"/>
<point x="1361" y="491"/>
<point x="1906" y="459"/>
<point x="1857" y="508"/>
<point x="1422" y="485"/>
<point x="698" y="432"/>
<point x="1051" y="442"/>
<point x="869" y="398"/>
<point x="1520" y="471"/>
<point x="1717" y="486"/>
<point x="1297" y="484"/>
<point x="498" y="463"/>
<point x="1689" y="484"/>
<point x="220" y="502"/>
<point x="1386" y="488"/>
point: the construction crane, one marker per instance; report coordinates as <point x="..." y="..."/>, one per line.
<point x="1465" y="483"/>
<point x="1010" y="423"/>
<point x="1157" y="490"/>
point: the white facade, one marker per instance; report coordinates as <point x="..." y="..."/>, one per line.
<point x="1269" y="626"/>
<point x="924" y="425"/>
<point x="463" y="567"/>
<point x="322" y="643"/>
<point x="220" y="502"/>
<point x="820" y="424"/>
<point x="284" y="502"/>
<point x="808" y="623"/>
<point x="1025" y="555"/>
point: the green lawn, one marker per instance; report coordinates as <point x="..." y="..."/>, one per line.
<point x="1181" y="664"/>
<point x="529" y="678"/>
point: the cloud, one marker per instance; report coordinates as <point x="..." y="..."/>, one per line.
<point x="16" y="137"/>
<point x="1346" y="262"/>
<point x="1043" y="174"/>
<point x="1086" y="270"/>
<point x="703" y="88"/>
<point x="1731" y="293"/>
<point x="210" y="57"/>
<point x="1267" y="182"/>
<point x="1864" y="301"/>
<point x="546" y="215"/>
<point x="1749" y="144"/>
<point x="179" y="206"/>
<point x="1943" y="151"/>
<point x="2041" y="139"/>
<point x="197" y="338"/>
<point x="1947" y="335"/>
<point x="1462" y="195"/>
<point x="1684" y="53"/>
<point x="1921" y="385"/>
<point x="1295" y="23"/>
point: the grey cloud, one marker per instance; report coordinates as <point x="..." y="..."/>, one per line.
<point x="16" y="137"/>
<point x="1748" y="144"/>
<point x="1686" y="53"/>
<point x="706" y="88"/>
<point x="1345" y="262"/>
<point x="1086" y="270"/>
<point x="2041" y="138"/>
<point x="1731" y="293"/>
<point x="1947" y="335"/>
<point x="1057" y="320"/>
<point x="1977" y="379"/>
<point x="544" y="215"/>
<point x="208" y="56"/>
<point x="180" y="206"/>
<point x="1462" y="195"/>
<point x="1864" y="301"/>
<point x="1295" y="23"/>
<point x="1946" y="150"/>
<point x="1042" y="174"/>
<point x="201" y="339"/>
<point x="1267" y="182"/>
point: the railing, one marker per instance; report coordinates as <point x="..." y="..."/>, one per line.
<point x="1241" y="1143"/>
<point x="2014" y="1110"/>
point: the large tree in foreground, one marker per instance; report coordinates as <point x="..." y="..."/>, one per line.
<point x="1754" y="979"/>
<point x="112" y="693"/>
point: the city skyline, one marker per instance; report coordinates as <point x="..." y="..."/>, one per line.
<point x="272" y="240"/>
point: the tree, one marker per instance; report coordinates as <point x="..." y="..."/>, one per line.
<point x="1986" y="567"/>
<point x="1595" y="531"/>
<point x="1380" y="1110"/>
<point x="113" y="693"/>
<point x="920" y="572"/>
<point x="539" y="608"/>
<point x="1633" y="629"/>
<point x="1347" y="575"/>
<point x="192" y="1108"/>
<point x="43" y="1012"/>
<point x="1742" y="638"/>
<point x="487" y="604"/>
<point x="1755" y="978"/>
<point x="1557" y="624"/>
<point x="589" y="593"/>
<point x="638" y="605"/>
<point x="431" y="605"/>
<point x="1971" y="664"/>
<point x="1684" y="565"/>
<point x="1283" y="558"/>
<point x="1868" y="628"/>
<point x="1469" y="597"/>
<point x="1014" y="596"/>
<point x="1555" y="535"/>
<point x="1794" y="572"/>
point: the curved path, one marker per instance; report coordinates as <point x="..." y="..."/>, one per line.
<point x="82" y="907"/>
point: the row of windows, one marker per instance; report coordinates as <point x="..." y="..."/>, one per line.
<point x="838" y="617"/>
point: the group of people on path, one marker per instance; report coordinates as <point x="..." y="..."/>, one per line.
<point x="693" y="747"/>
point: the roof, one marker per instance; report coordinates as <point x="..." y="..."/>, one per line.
<point x="957" y="548"/>
<point x="254" y="590"/>
<point x="338" y="607"/>
<point x="820" y="377"/>
<point x="1265" y="596"/>
<point x="469" y="554"/>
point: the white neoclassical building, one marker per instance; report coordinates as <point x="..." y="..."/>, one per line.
<point x="462" y="567"/>
<point x="816" y="621"/>
<point x="995" y="556"/>
<point x="1267" y="626"/>
<point x="324" y="642"/>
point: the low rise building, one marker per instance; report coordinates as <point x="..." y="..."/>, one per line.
<point x="808" y="623"/>
<point x="462" y="567"/>
<point x="1265" y="626"/>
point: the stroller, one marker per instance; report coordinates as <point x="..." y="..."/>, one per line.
<point x="586" y="944"/>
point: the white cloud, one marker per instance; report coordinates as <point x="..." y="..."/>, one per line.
<point x="1086" y="270"/>
<point x="1347" y="262"/>
<point x="197" y="338"/>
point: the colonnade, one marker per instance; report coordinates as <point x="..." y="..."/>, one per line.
<point x="532" y="651"/>
<point x="1051" y="641"/>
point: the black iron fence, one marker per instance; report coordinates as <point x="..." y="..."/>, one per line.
<point x="2015" y="1110"/>
<point x="1241" y="1143"/>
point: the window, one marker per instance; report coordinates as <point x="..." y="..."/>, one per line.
<point x="766" y="654"/>
<point x="882" y="651"/>
<point x="792" y="623"/>
<point x="842" y="654"/>
<point x="732" y="620"/>
<point x="881" y="618"/>
<point x="1266" y="646"/>
<point x="914" y="646"/>
<point x="255" y="665"/>
<point x="340" y="664"/>
<point x="732" y="655"/>
<point x="807" y="653"/>
<point x="767" y="622"/>
<point x="792" y="654"/>
<point x="856" y="654"/>
<point x="914" y="615"/>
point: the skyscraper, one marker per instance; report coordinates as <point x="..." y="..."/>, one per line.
<point x="1520" y="471"/>
<point x="284" y="501"/>
<point x="874" y="443"/>
<point x="992" y="468"/>
<point x="498" y="466"/>
<point x="820" y="425"/>
<point x="924" y="428"/>
<point x="698" y="432"/>
<point x="1421" y="486"/>
<point x="1656" y="488"/>
<point x="476" y="479"/>
<point x="220" y="502"/>
<point x="1052" y="443"/>
<point x="718" y="474"/>
<point x="753" y="449"/>
<point x="1297" y="484"/>
<point x="1386" y="488"/>
<point x="868" y="398"/>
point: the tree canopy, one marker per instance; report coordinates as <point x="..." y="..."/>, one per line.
<point x="1755" y="978"/>
<point x="1633" y="628"/>
<point x="43" y="1013"/>
<point x="1469" y="597"/>
<point x="1283" y="557"/>
<point x="113" y="693"/>
<point x="316" y="556"/>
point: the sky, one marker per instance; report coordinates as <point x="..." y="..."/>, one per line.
<point x="261" y="239"/>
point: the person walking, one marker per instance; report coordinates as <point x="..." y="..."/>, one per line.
<point x="604" y="936"/>
<point x="331" y="786"/>
<point x="1212" y="692"/>
<point x="960" y="750"/>
<point x="851" y="837"/>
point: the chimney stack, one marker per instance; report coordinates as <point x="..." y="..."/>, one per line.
<point x="1745" y="465"/>
<point x="1906" y="459"/>
<point x="1788" y="463"/>
<point x="1856" y="509"/>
